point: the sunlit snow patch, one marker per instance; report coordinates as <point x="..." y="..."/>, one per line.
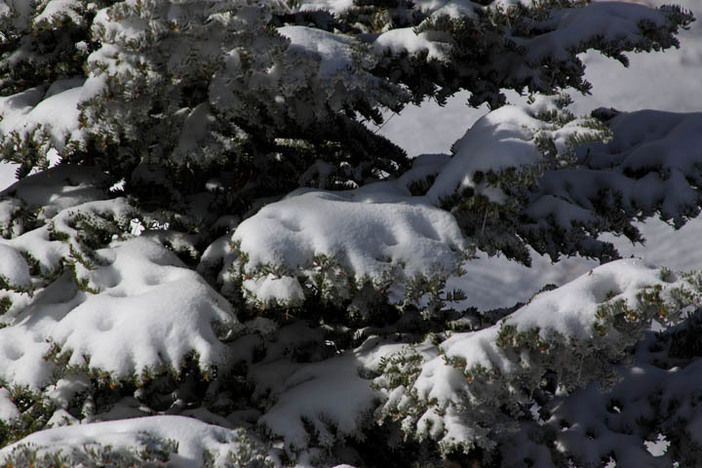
<point x="181" y="441"/>
<point x="377" y="233"/>
<point x="141" y="291"/>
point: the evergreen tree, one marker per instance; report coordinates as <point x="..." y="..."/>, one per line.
<point x="225" y="238"/>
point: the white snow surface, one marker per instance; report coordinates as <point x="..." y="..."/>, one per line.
<point x="57" y="189"/>
<point x="568" y="310"/>
<point x="13" y="267"/>
<point x="145" y="293"/>
<point x="8" y="410"/>
<point x="193" y="437"/>
<point x="369" y="231"/>
<point x="330" y="392"/>
<point x="54" y="110"/>
<point x="166" y="310"/>
<point x="501" y="139"/>
<point x="572" y="25"/>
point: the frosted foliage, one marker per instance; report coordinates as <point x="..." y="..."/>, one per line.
<point x="57" y="11"/>
<point x="89" y="329"/>
<point x="376" y="233"/>
<point x="138" y="275"/>
<point x="192" y="442"/>
<point x="225" y="67"/>
<point x="454" y="389"/>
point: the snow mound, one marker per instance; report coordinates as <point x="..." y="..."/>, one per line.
<point x="310" y="398"/>
<point x="374" y="233"/>
<point x="147" y="294"/>
<point x="53" y="110"/>
<point x="505" y="138"/>
<point x="14" y="271"/>
<point x="598" y="314"/>
<point x="139" y="289"/>
<point x="194" y="441"/>
<point x="53" y="190"/>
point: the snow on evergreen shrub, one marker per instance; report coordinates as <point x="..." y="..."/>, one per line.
<point x="156" y="441"/>
<point x="163" y="301"/>
<point x="335" y="242"/>
<point x="466" y="389"/>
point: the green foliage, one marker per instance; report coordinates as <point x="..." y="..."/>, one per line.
<point x="35" y="410"/>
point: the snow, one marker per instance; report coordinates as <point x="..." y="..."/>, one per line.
<point x="137" y="278"/>
<point x="371" y="232"/>
<point x="334" y="51"/>
<point x="13" y="268"/>
<point x="401" y="40"/>
<point x="8" y="411"/>
<point x="312" y="394"/>
<point x="603" y="20"/>
<point x="500" y="139"/>
<point x="60" y="188"/>
<point x="138" y="289"/>
<point x="193" y="437"/>
<point x="55" y="111"/>
<point x="464" y="374"/>
<point x="55" y="10"/>
<point x="145" y="293"/>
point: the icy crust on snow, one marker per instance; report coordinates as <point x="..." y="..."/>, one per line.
<point x="469" y="372"/>
<point x="193" y="438"/>
<point x="375" y="233"/>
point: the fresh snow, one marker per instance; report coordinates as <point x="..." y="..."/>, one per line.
<point x="194" y="437"/>
<point x="335" y="52"/>
<point x="54" y="111"/>
<point x="564" y="320"/>
<point x="159" y="292"/>
<point x="371" y="232"/>
<point x="312" y="395"/>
